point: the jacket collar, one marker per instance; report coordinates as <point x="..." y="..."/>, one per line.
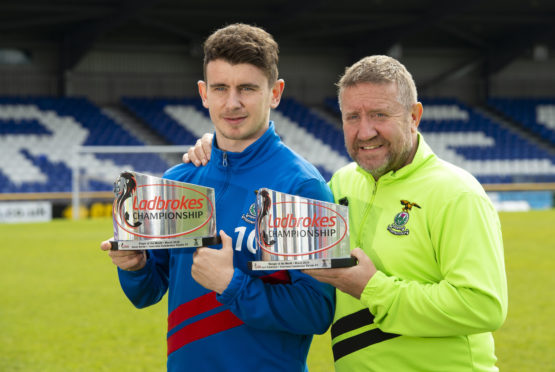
<point x="253" y="155"/>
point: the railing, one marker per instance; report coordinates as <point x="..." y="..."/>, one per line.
<point x="108" y="196"/>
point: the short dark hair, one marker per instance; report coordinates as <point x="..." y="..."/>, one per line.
<point x="241" y="43"/>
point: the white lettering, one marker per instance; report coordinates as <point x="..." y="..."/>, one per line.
<point x="250" y="242"/>
<point x="250" y="239"/>
<point x="239" y="241"/>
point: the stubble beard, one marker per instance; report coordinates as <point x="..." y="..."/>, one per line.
<point x="392" y="161"/>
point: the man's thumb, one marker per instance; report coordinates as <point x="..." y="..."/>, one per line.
<point x="227" y="242"/>
<point x="359" y="255"/>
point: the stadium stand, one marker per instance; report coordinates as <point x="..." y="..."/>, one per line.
<point x="537" y="115"/>
<point x="38" y="136"/>
<point x="156" y="113"/>
<point x="490" y="151"/>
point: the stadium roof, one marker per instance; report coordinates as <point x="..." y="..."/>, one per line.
<point x="491" y="33"/>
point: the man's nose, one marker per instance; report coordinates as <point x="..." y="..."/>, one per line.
<point x="233" y="100"/>
<point x="367" y="129"/>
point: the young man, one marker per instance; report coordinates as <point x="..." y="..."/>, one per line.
<point x="430" y="285"/>
<point x="223" y="317"/>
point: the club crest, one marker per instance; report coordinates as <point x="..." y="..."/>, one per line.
<point x="250" y="216"/>
<point x="125" y="187"/>
<point x="398" y="227"/>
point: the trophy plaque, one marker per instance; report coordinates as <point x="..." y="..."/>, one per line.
<point x="156" y="213"/>
<point x="293" y="232"/>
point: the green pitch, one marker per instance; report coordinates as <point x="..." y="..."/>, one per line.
<point x="61" y="308"/>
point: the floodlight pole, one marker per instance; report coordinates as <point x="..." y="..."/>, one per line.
<point x="75" y="183"/>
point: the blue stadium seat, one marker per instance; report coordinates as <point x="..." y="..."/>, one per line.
<point x="538" y="115"/>
<point x="152" y="112"/>
<point x="37" y="136"/>
<point x="487" y="149"/>
<point x="40" y="131"/>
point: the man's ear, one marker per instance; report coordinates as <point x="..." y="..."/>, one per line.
<point x="202" y="92"/>
<point x="416" y="115"/>
<point x="277" y="90"/>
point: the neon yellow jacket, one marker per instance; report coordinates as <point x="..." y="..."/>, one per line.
<point x="440" y="289"/>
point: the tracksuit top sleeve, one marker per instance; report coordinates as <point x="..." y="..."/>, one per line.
<point x="148" y="285"/>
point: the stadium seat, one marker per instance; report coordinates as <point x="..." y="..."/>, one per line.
<point x="487" y="149"/>
<point x="537" y="115"/>
<point x="37" y="137"/>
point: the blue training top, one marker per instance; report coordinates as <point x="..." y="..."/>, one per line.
<point x="263" y="321"/>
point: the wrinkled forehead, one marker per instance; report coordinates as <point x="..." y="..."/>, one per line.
<point x="369" y="94"/>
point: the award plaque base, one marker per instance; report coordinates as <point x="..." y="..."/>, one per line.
<point x="323" y="263"/>
<point x="129" y="245"/>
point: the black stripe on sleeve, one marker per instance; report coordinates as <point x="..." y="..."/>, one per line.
<point x="352" y="344"/>
<point x="351" y="322"/>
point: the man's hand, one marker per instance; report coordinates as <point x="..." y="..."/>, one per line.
<point x="213" y="268"/>
<point x="200" y="152"/>
<point x="125" y="260"/>
<point x="350" y="280"/>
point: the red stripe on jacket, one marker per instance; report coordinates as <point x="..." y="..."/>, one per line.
<point x="192" y="308"/>
<point x="203" y="328"/>
<point x="279" y="277"/>
<point x="212" y="324"/>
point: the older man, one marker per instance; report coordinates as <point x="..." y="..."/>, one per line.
<point x="430" y="285"/>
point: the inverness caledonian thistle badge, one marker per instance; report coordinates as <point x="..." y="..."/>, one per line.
<point x="400" y="220"/>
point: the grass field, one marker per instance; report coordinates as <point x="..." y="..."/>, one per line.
<point x="61" y="308"/>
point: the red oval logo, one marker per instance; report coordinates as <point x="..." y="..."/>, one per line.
<point x="191" y="201"/>
<point x="289" y="221"/>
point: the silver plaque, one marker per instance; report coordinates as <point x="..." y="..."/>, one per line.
<point x="293" y="232"/>
<point x="156" y="213"/>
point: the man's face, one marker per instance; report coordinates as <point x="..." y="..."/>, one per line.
<point x="239" y="99"/>
<point x="380" y="134"/>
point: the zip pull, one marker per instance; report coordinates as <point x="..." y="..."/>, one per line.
<point x="224" y="160"/>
